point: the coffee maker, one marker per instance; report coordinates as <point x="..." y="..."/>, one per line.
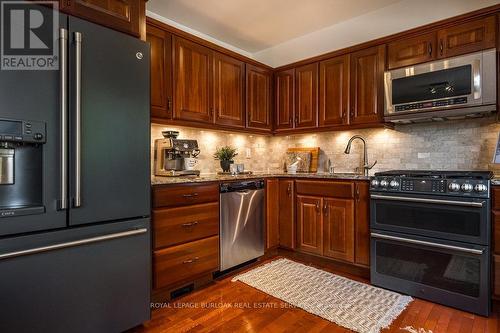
<point x="169" y="155"/>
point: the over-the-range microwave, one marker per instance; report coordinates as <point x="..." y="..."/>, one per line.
<point x="463" y="86"/>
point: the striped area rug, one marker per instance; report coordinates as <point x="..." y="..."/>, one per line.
<point x="348" y="303"/>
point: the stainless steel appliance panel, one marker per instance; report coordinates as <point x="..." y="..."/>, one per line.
<point x="458" y="86"/>
<point x="241" y="226"/>
<point x="6" y="166"/>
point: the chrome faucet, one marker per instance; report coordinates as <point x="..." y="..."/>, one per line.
<point x="347" y="150"/>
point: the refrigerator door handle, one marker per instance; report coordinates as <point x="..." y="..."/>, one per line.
<point x="78" y="119"/>
<point x="73" y="243"/>
<point x="63" y="95"/>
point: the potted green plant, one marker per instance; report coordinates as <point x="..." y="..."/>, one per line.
<point x="225" y="155"/>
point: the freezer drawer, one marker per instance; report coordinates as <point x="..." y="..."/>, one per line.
<point x="94" y="279"/>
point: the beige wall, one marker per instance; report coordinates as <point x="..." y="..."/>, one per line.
<point x="451" y="145"/>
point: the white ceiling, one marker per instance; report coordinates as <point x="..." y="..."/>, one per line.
<point x="255" y="25"/>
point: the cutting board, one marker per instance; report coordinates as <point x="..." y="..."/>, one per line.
<point x="314" y="156"/>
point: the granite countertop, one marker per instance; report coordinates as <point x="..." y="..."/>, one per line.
<point x="158" y="180"/>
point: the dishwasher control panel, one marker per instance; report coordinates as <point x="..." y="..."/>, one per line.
<point x="242" y="185"/>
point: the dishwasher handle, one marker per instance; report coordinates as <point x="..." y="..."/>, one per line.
<point x="242" y="186"/>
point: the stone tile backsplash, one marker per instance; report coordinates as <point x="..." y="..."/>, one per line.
<point x="450" y="145"/>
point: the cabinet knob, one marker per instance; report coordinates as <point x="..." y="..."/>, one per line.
<point x="429" y="48"/>
<point x="441" y="47"/>
<point x="325" y="209"/>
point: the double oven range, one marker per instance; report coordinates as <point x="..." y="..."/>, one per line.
<point x="430" y="236"/>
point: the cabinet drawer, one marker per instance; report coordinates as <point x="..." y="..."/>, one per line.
<point x="186" y="194"/>
<point x="496" y="276"/>
<point x="182" y="262"/>
<point x="495" y="222"/>
<point x="183" y="224"/>
<point x="495" y="202"/>
<point x="338" y="189"/>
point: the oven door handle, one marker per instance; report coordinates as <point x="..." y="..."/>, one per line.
<point x="431" y="244"/>
<point x="431" y="201"/>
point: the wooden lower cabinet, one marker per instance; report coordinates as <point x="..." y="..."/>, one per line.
<point x="185" y="228"/>
<point x="309" y="225"/>
<point x="187" y="261"/>
<point x="287" y="213"/>
<point x="272" y="213"/>
<point x="338" y="229"/>
<point x="362" y="224"/>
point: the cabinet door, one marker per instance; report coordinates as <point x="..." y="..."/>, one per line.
<point x="338" y="229"/>
<point x="258" y="98"/>
<point x="272" y="212"/>
<point x="306" y="96"/>
<point x="309" y="224"/>
<point x="411" y="51"/>
<point x="362" y="223"/>
<point x="122" y="15"/>
<point x="285" y="99"/>
<point x="367" y="89"/>
<point x="229" y="91"/>
<point x="192" y="68"/>
<point x="161" y="72"/>
<point x="287" y="214"/>
<point x="334" y="91"/>
<point x="468" y="37"/>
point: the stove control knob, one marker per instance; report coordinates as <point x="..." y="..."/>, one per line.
<point x="394" y="183"/>
<point x="384" y="183"/>
<point x="467" y="187"/>
<point x="480" y="188"/>
<point x="454" y="187"/>
<point x="375" y="183"/>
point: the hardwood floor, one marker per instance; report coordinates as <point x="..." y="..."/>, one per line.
<point x="227" y="306"/>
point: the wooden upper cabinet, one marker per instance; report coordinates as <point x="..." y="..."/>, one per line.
<point x="258" y="97"/>
<point x="122" y="15"/>
<point x="411" y="51"/>
<point x="334" y="91"/>
<point x="161" y="72"/>
<point x="338" y="229"/>
<point x="467" y="37"/>
<point x="367" y="86"/>
<point x="309" y="224"/>
<point x="228" y="91"/>
<point x="285" y="99"/>
<point x="287" y="214"/>
<point x="306" y="96"/>
<point x="192" y="92"/>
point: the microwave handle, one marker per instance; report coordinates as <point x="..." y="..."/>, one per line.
<point x="476" y="79"/>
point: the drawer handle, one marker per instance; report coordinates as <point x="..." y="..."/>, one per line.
<point x="189" y="196"/>
<point x="190" y="261"/>
<point x="190" y="224"/>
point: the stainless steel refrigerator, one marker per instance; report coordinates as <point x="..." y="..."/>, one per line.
<point x="74" y="187"/>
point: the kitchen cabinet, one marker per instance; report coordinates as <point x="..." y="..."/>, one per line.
<point x="272" y="213"/>
<point x="123" y="15"/>
<point x="258" y="98"/>
<point x="285" y="99"/>
<point x="471" y="36"/>
<point x="161" y="72"/>
<point x="309" y="224"/>
<point x="367" y="85"/>
<point x="334" y="91"/>
<point x="228" y="91"/>
<point x="495" y="223"/>
<point x="362" y="223"/>
<point x="306" y="96"/>
<point x="287" y="213"/>
<point x="185" y="225"/>
<point x="411" y="51"/>
<point x="338" y="228"/>
<point x="192" y="89"/>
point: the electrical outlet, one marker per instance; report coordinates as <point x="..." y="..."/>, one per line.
<point x="248" y="153"/>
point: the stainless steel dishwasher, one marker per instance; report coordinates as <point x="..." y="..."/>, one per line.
<point x="241" y="222"/>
